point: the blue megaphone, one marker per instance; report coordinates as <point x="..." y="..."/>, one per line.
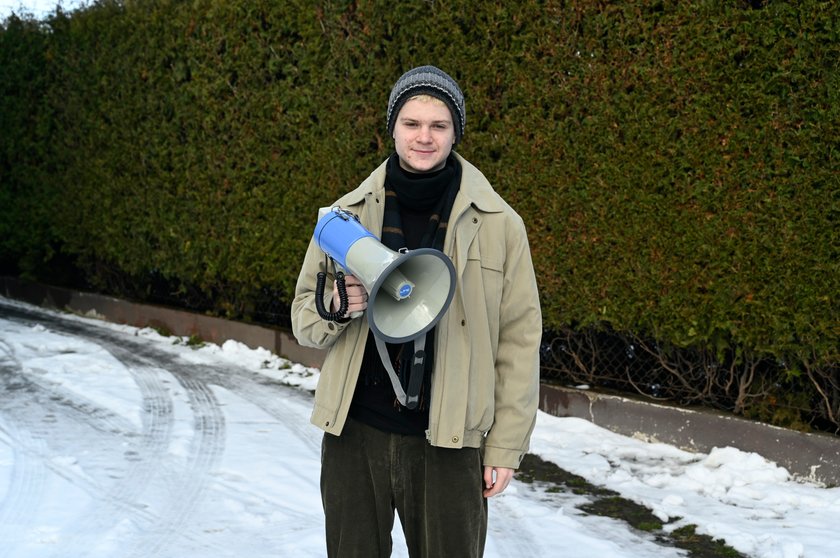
<point x="408" y="291"/>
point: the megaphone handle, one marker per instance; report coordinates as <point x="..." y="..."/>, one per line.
<point x="338" y="315"/>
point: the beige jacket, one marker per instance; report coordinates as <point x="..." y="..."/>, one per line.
<point x="485" y="386"/>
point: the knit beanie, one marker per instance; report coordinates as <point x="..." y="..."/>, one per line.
<point x="433" y="81"/>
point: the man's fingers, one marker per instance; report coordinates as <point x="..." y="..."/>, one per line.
<point x="496" y="480"/>
<point x="351" y="280"/>
<point x="357" y="296"/>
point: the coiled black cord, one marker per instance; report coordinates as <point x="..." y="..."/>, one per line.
<point x="338" y="315"/>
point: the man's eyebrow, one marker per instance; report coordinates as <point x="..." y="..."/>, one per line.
<point x="438" y="121"/>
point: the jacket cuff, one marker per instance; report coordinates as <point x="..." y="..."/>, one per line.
<point x="501" y="457"/>
<point x="337" y="326"/>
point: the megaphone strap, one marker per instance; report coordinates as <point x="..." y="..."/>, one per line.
<point x="411" y="399"/>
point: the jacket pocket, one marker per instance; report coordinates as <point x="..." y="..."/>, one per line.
<point x="484" y="279"/>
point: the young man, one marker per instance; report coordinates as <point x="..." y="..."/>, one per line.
<point x="434" y="465"/>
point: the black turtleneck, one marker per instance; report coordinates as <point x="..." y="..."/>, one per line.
<point x="418" y="191"/>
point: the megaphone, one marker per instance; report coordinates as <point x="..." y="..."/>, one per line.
<point x="408" y="292"/>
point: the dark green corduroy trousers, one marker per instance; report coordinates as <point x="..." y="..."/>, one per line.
<point x="367" y="475"/>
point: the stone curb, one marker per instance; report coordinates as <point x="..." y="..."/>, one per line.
<point x="814" y="457"/>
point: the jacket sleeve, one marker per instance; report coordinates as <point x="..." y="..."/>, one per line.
<point x="307" y="325"/>
<point x="517" y="359"/>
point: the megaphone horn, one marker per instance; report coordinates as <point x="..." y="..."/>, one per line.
<point x="408" y="292"/>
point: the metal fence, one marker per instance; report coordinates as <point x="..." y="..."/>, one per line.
<point x="753" y="386"/>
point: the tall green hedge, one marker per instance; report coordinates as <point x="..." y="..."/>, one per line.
<point x="676" y="162"/>
<point x="27" y="160"/>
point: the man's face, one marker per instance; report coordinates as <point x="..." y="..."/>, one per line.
<point x="423" y="135"/>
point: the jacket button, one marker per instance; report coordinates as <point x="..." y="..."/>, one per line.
<point x="475" y="220"/>
<point x="327" y="423"/>
<point x="463" y="322"/>
<point x="455" y="439"/>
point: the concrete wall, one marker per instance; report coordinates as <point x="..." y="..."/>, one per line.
<point x="812" y="456"/>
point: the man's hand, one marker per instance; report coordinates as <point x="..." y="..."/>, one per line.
<point x="357" y="296"/>
<point x="496" y="479"/>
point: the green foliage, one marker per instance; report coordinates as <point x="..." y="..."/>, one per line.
<point x="676" y="162"/>
<point x="26" y="155"/>
<point x="195" y="342"/>
<point x="785" y="404"/>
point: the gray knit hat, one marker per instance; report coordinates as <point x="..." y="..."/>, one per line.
<point x="433" y="81"/>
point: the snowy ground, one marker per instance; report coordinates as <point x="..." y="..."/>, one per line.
<point x="118" y="442"/>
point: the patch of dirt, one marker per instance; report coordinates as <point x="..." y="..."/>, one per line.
<point x="608" y="503"/>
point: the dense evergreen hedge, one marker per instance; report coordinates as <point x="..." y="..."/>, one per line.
<point x="676" y="162"/>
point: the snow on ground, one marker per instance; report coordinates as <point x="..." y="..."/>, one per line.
<point x="117" y="441"/>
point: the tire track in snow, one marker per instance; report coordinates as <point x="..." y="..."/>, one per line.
<point x="181" y="487"/>
<point x="37" y="422"/>
<point x="58" y="415"/>
<point x="27" y="482"/>
<point x="206" y="449"/>
<point x="25" y="491"/>
<point x="261" y="391"/>
<point x="258" y="391"/>
<point x="34" y="444"/>
<point x="142" y="458"/>
<point x="263" y="394"/>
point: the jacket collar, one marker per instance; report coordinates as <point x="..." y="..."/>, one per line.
<point x="474" y="187"/>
